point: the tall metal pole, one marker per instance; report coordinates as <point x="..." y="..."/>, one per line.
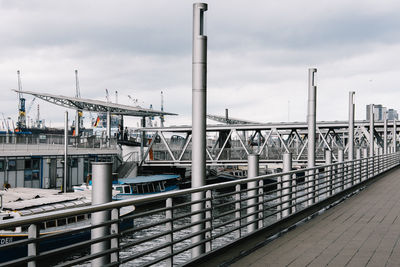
<point x="359" y="165"/>
<point x="341" y="169"/>
<point x="286" y="185"/>
<point x="101" y="193"/>
<point x="371" y="130"/>
<point x="311" y="121"/>
<point x="108" y="128"/>
<point x="394" y="136"/>
<point x="65" y="151"/>
<point x="328" y="161"/>
<point x="253" y="171"/>
<point x="78" y="95"/>
<point x="351" y="125"/>
<point x="199" y="97"/>
<point x="385" y="134"/>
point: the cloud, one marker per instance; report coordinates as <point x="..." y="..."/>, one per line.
<point x="258" y="54"/>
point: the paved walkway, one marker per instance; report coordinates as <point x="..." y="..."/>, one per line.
<point x="364" y="230"/>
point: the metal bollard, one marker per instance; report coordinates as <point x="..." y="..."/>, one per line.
<point x="252" y="192"/>
<point x="33" y="232"/>
<point x="101" y="193"/>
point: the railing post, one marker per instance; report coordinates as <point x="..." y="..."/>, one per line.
<point x="33" y="233"/>
<point x="199" y="89"/>
<point x="260" y="204"/>
<point x="208" y="220"/>
<point x="65" y="151"/>
<point x="385" y="147"/>
<point x="359" y="165"/>
<point x="365" y="159"/>
<point x="341" y="169"/>
<point x="311" y="122"/>
<point x="380" y="160"/>
<point x="114" y="257"/>
<point x="286" y="185"/>
<point x="101" y="193"/>
<point x="328" y="172"/>
<point x="238" y="217"/>
<point x="293" y="196"/>
<point x="394" y="133"/>
<point x="252" y="192"/>
<point x="169" y="227"/>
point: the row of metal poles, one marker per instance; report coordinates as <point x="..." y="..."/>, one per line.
<point x="199" y="88"/>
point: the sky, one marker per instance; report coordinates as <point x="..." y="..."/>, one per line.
<point x="259" y="53"/>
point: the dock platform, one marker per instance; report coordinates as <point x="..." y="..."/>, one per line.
<point x="363" y="230"/>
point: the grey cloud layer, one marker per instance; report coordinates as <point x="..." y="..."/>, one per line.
<point x="257" y="50"/>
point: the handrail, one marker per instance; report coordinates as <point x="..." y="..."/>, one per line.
<point x="225" y="215"/>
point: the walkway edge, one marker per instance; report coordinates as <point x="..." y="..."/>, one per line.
<point x="234" y="251"/>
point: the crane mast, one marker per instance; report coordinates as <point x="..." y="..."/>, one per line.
<point x="21" y="124"/>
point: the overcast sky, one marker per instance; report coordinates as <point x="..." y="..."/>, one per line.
<point x="259" y="53"/>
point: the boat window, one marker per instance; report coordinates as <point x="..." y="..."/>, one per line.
<point x="61" y="222"/>
<point x="127" y="189"/>
<point x="154" y="189"/>
<point x="25" y="228"/>
<point x="50" y="224"/>
<point x="119" y="189"/>
<point x="42" y="226"/>
<point x="134" y="189"/>
<point x="71" y="220"/>
<point x="146" y="188"/>
<point x="80" y="217"/>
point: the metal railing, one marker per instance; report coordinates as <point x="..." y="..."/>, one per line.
<point x="160" y="232"/>
<point x="27" y="142"/>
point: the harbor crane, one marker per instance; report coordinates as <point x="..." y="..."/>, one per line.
<point x="21" y="124"/>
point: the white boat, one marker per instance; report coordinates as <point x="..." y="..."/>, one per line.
<point x="19" y="202"/>
<point x="139" y="186"/>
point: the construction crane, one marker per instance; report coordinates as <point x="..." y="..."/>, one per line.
<point x="21" y="124"/>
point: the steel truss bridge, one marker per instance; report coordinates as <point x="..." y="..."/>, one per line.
<point x="231" y="144"/>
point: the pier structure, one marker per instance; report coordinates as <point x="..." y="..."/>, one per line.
<point x="332" y="212"/>
<point x="269" y="140"/>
